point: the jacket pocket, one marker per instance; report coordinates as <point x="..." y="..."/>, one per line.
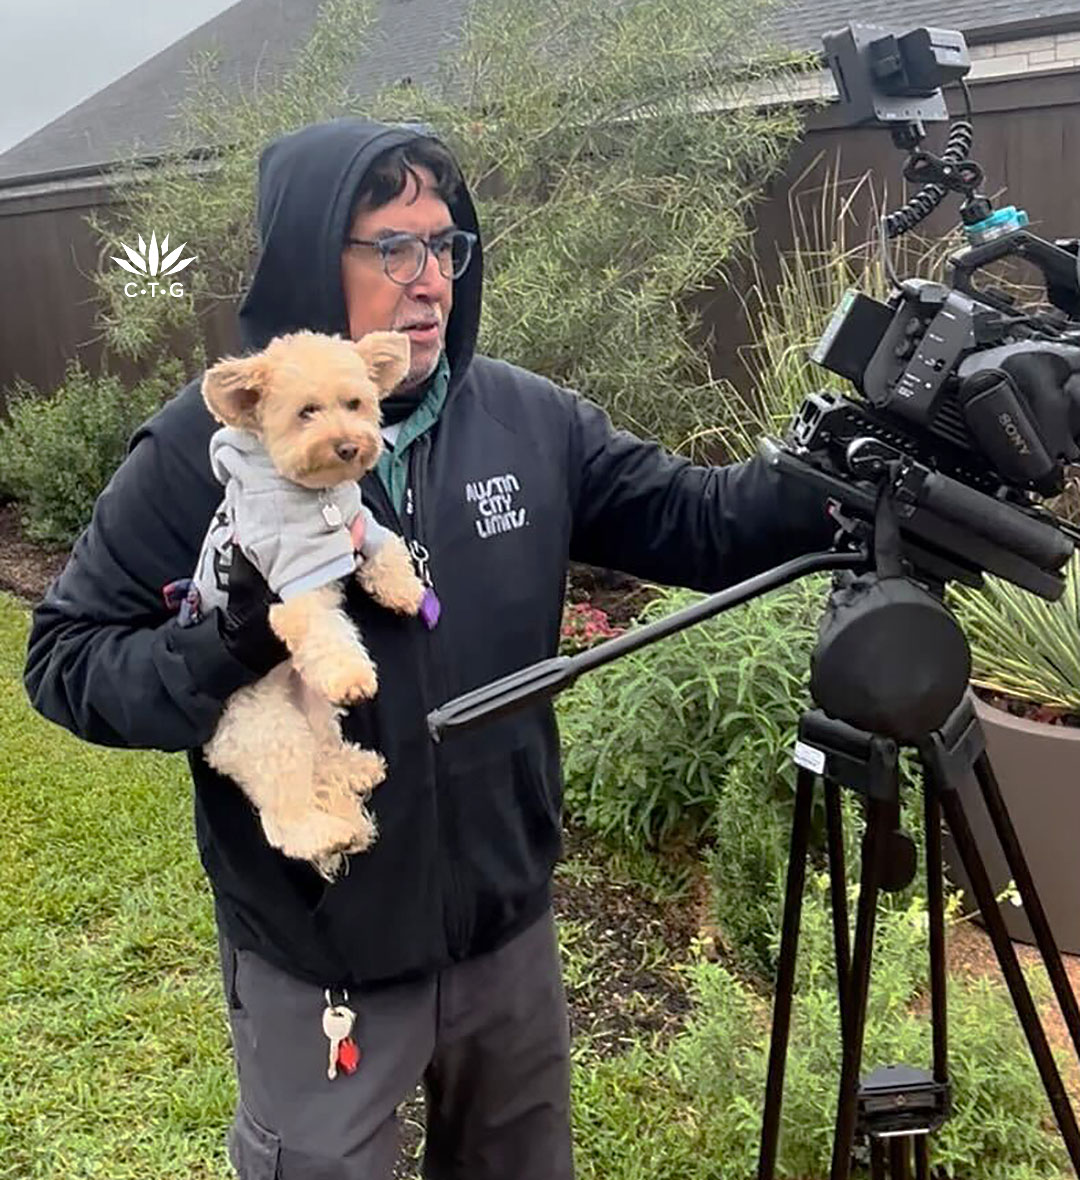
<point x="507" y="837"/>
<point x="253" y="1150"/>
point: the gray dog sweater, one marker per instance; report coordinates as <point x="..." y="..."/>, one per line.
<point x="297" y="538"/>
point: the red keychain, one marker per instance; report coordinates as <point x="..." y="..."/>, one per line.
<point x="348" y="1055"/>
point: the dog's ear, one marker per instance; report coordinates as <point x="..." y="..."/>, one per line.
<point x="232" y="389"/>
<point x="386" y="355"/>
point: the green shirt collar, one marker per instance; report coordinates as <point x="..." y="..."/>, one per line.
<point x="393" y="464"/>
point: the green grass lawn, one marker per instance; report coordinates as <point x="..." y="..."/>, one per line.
<point x="114" y="1048"/>
<point x="114" y="1052"/>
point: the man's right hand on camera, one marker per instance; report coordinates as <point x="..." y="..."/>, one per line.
<point x="244" y="623"/>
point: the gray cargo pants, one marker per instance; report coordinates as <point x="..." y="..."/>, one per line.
<point x="489" y="1038"/>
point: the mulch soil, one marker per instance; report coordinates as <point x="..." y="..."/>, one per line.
<point x="26" y="568"/>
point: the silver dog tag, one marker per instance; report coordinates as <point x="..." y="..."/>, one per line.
<point x="332" y="515"/>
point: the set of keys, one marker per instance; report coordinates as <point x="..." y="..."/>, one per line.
<point x="338" y="1021"/>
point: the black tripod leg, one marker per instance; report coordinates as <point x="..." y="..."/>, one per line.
<point x="785" y="974"/>
<point x="899" y="1159"/>
<point x="935" y="906"/>
<point x="878" y="1170"/>
<point x="922" y="1158"/>
<point x="838" y="894"/>
<point x="1033" y="906"/>
<point x="879" y="819"/>
<point x="1010" y="968"/>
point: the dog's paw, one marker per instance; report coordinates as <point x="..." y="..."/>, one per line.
<point x="333" y="864"/>
<point x="389" y="577"/>
<point x="402" y="593"/>
<point x="315" y="835"/>
<point x="329" y="867"/>
<point x="352" y="679"/>
<point x="361" y="770"/>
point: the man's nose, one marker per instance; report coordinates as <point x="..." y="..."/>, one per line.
<point x="429" y="283"/>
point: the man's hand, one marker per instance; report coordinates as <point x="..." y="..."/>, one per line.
<point x="244" y="623"/>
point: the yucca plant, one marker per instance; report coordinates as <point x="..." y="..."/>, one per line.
<point x="1023" y="648"/>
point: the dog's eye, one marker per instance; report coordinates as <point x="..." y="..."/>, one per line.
<point x="309" y="411"/>
<point x="353" y="404"/>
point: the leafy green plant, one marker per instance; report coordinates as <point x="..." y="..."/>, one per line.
<point x="692" y="1111"/>
<point x="57" y="452"/>
<point x="1024" y="647"/>
<point x="746" y="863"/>
<point x="649" y="739"/>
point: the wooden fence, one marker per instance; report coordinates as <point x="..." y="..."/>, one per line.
<point x="1027" y="138"/>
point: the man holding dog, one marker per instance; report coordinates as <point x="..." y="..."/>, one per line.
<point x="440" y="937"/>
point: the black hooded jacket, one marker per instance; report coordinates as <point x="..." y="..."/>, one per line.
<point x="517" y="477"/>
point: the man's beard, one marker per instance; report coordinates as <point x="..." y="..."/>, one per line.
<point x="415" y="378"/>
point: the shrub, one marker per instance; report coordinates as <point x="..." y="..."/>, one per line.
<point x="608" y="196"/>
<point x="693" y="735"/>
<point x="586" y="136"/>
<point x="692" y="1111"/>
<point x="650" y="738"/>
<point x="58" y="452"/>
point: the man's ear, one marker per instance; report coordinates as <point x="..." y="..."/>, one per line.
<point x="232" y="389"/>
<point x="386" y="355"/>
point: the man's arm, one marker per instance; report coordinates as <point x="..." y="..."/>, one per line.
<point x="646" y="512"/>
<point x="105" y="659"/>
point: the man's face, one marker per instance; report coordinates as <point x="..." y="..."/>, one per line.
<point x="375" y="302"/>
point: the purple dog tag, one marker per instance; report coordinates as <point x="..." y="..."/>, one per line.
<point x="430" y="608"/>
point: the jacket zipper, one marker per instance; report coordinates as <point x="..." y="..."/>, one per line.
<point x="414" y="504"/>
<point x="407" y="528"/>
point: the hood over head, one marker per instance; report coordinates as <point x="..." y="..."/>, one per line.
<point x="239" y="454"/>
<point x="307" y="181"/>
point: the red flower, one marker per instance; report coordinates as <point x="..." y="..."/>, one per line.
<point x="583" y="626"/>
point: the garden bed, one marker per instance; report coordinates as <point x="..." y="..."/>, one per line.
<point x="26" y="568"/>
<point x="625" y="943"/>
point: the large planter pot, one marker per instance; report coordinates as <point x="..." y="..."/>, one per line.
<point x="1038" y="770"/>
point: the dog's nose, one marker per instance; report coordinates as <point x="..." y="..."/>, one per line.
<point x="345" y="451"/>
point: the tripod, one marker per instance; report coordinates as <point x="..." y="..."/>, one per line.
<point x="897" y="1108"/>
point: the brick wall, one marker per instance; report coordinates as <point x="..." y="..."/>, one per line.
<point x="1001" y="59"/>
<point x="1032" y="55"/>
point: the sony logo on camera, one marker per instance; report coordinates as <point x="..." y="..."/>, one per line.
<point x="1014" y="434"/>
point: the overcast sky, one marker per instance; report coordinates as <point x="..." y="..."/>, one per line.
<point x="55" y="53"/>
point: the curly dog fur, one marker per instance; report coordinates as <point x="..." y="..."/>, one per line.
<point x="312" y="398"/>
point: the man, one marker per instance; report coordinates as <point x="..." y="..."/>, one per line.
<point x="441" y="934"/>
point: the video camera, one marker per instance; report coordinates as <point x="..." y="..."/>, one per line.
<point x="970" y="405"/>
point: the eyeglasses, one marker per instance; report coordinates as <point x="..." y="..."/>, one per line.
<point x="404" y="256"/>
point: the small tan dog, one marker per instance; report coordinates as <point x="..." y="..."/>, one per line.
<point x="301" y="427"/>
